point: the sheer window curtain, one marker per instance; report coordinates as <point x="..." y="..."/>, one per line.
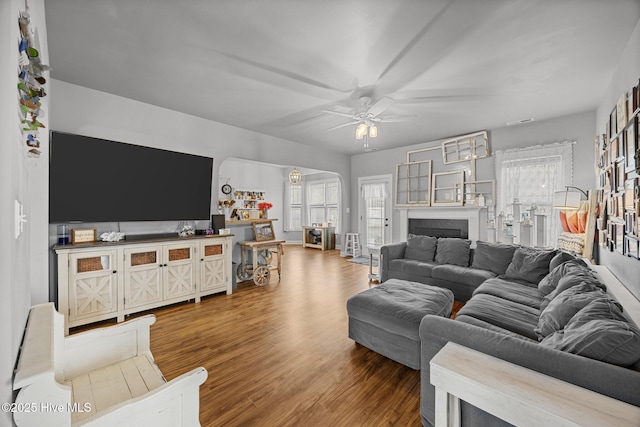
<point x="532" y="175"/>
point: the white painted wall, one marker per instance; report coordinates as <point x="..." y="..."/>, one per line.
<point x="22" y="260"/>
<point x="79" y="110"/>
<point x="578" y="127"/>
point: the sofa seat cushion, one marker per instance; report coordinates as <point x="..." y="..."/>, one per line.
<point x="519" y="292"/>
<point x="412" y="267"/>
<point x="398" y="306"/>
<point x="485" y="325"/>
<point x="465" y="275"/>
<point x="503" y="313"/>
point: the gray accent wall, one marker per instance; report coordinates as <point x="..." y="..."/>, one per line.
<point x="626" y="269"/>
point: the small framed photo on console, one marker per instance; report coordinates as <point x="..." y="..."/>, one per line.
<point x="263" y="231"/>
<point x="83" y="235"/>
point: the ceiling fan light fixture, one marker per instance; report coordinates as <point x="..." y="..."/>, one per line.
<point x="361" y="131"/>
<point x="373" y="131"/>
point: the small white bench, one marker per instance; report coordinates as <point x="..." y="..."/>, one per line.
<point x="102" y="377"/>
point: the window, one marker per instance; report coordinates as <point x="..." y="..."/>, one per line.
<point x="324" y="202"/>
<point x="532" y="175"/>
<point x="295" y="207"/>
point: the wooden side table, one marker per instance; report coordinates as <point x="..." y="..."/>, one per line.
<point x="518" y="395"/>
<point x="327" y="237"/>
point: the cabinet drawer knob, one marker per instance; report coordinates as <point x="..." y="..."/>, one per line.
<point x="114" y="271"/>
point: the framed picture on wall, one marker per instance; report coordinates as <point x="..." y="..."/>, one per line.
<point x="621" y="112"/>
<point x="613" y="150"/>
<point x="621" y="176"/>
<point x="613" y="122"/>
<point x="630" y="136"/>
<point x="620" y="238"/>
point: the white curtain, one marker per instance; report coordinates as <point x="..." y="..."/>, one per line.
<point x="374" y="191"/>
<point x="531" y="175"/>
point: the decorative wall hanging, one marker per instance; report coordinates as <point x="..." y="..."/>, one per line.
<point x="618" y="168"/>
<point x="31" y="84"/>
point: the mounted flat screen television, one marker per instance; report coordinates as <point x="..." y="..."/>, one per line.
<point x="95" y="180"/>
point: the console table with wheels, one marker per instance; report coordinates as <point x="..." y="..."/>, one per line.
<point x="257" y="260"/>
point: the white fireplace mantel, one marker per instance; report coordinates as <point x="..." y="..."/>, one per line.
<point x="476" y="216"/>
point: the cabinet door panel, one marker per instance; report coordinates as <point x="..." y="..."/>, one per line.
<point x="92" y="285"/>
<point x="179" y="274"/>
<point x="143" y="277"/>
<point x="212" y="267"/>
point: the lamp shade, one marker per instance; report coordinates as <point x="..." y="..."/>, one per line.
<point x="566" y="200"/>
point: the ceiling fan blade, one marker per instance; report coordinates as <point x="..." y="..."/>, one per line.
<point x="380" y="106"/>
<point x="338" y="113"/>
<point x="397" y="119"/>
<point x="343" y="125"/>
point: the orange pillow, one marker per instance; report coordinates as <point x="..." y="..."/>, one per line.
<point x="572" y="221"/>
<point x="563" y="221"/>
<point x="582" y="221"/>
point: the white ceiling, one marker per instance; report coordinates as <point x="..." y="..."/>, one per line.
<point x="272" y="66"/>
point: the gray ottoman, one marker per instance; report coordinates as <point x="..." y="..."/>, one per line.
<point x="386" y="318"/>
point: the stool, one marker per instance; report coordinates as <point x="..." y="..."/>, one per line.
<point x="351" y="245"/>
<point x="386" y="318"/>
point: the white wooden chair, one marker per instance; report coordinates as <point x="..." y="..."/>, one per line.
<point x="102" y="377"/>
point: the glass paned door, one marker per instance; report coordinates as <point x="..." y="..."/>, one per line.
<point x="375" y="212"/>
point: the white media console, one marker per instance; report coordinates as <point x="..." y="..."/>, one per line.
<point x="104" y="280"/>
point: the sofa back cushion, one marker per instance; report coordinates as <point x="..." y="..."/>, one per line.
<point x="566" y="276"/>
<point x="563" y="307"/>
<point x="453" y="251"/>
<point x="421" y="248"/>
<point x="599" y="331"/>
<point x="494" y="257"/>
<point x="550" y="282"/>
<point x="530" y="264"/>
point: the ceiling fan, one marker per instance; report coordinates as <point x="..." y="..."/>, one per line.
<point x="365" y="121"/>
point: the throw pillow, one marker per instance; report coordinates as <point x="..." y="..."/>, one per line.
<point x="549" y="283"/>
<point x="560" y="258"/>
<point x="453" y="251"/>
<point x="421" y="248"/>
<point x="530" y="264"/>
<point x="494" y="257"/>
<point x="573" y="276"/>
<point x="561" y="309"/>
<point x="599" y="331"/>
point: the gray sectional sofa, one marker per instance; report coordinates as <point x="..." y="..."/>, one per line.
<point x="454" y="265"/>
<point x="540" y="309"/>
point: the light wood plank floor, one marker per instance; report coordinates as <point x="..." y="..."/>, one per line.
<point x="280" y="356"/>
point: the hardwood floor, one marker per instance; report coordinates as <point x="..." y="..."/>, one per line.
<point x="279" y="355"/>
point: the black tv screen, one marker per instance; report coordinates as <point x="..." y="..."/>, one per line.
<point x="95" y="180"/>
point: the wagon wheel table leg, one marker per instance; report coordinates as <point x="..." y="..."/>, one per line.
<point x="261" y="275"/>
